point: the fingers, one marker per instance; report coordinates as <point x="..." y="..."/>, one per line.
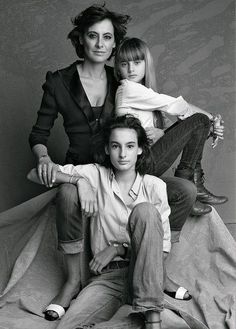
<point x="89" y="207"/>
<point x="54" y="174"/>
<point x="47" y="173"/>
<point x="95" y="267"/>
<point x="42" y="173"/>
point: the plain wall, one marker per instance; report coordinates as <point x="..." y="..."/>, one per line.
<point x="192" y="42"/>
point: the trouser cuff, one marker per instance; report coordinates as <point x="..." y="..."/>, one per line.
<point x="71" y="247"/>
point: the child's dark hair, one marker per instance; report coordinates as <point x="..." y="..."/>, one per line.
<point x="144" y="162"/>
<point x="93" y="15"/>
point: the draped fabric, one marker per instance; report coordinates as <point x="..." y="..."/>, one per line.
<point x="32" y="270"/>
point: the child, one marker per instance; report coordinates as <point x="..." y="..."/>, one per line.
<point x="130" y="230"/>
<point x="136" y="95"/>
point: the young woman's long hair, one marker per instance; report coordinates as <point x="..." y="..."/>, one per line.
<point x="144" y="164"/>
<point x="133" y="49"/>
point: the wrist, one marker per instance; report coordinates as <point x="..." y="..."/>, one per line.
<point x="74" y="179"/>
<point x="121" y="249"/>
<point x="43" y="156"/>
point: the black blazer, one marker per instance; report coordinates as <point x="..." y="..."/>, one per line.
<point x="64" y="94"/>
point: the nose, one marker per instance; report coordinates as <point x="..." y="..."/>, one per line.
<point x="122" y="152"/>
<point x="99" y="43"/>
<point x="130" y="67"/>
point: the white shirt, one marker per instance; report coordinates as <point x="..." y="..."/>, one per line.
<point x="110" y="224"/>
<point x="134" y="98"/>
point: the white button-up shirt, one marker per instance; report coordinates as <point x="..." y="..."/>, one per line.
<point x="134" y="98"/>
<point x="110" y="224"/>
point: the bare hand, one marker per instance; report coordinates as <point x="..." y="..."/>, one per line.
<point x="102" y="259"/>
<point x="88" y="198"/>
<point x="47" y="171"/>
<point x="219" y="130"/>
<point x="154" y="134"/>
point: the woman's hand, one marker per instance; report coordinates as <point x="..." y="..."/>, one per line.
<point x="47" y="171"/>
<point x="88" y="198"/>
<point x="154" y="134"/>
<point x="102" y="259"/>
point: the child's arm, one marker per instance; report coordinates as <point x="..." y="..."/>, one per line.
<point x="136" y="96"/>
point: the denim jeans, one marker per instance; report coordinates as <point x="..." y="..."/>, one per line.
<point x="187" y="136"/>
<point x="139" y="284"/>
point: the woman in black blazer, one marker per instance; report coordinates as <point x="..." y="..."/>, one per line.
<point x="84" y="94"/>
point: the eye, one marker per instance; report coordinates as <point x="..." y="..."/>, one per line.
<point x="130" y="146"/>
<point x="92" y="35"/>
<point x="137" y="62"/>
<point x="123" y="64"/>
<point x="114" y="146"/>
<point x="107" y="37"/>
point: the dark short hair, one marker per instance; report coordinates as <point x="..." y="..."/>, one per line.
<point x="145" y="163"/>
<point x="92" y="15"/>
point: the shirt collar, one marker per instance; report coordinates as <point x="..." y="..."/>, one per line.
<point x="134" y="191"/>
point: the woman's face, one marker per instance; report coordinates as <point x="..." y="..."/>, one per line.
<point x="98" y="41"/>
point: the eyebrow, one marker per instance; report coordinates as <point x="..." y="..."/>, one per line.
<point x="97" y="32"/>
<point x="131" y="142"/>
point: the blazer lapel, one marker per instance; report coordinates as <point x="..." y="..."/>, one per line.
<point x="111" y="90"/>
<point x="72" y="82"/>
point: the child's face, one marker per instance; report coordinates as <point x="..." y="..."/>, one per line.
<point x="123" y="149"/>
<point x="132" y="70"/>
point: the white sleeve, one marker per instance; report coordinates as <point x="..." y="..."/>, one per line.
<point x="135" y="95"/>
<point x="88" y="171"/>
<point x="164" y="210"/>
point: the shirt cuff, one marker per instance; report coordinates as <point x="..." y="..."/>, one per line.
<point x="166" y="246"/>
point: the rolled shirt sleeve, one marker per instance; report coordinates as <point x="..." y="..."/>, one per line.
<point x="158" y="197"/>
<point x="89" y="171"/>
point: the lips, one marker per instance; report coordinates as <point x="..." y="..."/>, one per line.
<point x="99" y="52"/>
<point x="132" y="76"/>
<point x="123" y="162"/>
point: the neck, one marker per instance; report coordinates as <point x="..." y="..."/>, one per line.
<point x="126" y="177"/>
<point x="92" y="70"/>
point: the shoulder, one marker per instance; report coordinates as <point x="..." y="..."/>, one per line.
<point x="153" y="181"/>
<point x="68" y="70"/>
<point x="155" y="188"/>
<point x="131" y="87"/>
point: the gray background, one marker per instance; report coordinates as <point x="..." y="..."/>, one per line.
<point x="192" y="42"/>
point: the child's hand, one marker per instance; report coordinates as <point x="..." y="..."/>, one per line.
<point x="154" y="134"/>
<point x="88" y="198"/>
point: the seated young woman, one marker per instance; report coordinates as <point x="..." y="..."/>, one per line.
<point x="130" y="230"/>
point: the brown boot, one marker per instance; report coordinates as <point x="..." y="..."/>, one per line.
<point x="203" y="195"/>
<point x="198" y="208"/>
